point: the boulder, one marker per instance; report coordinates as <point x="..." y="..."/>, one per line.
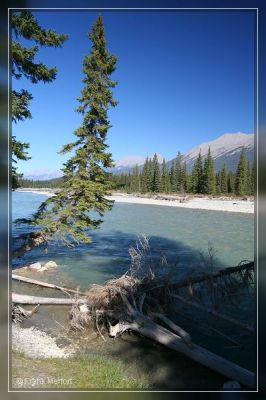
<point x="50" y="264"/>
<point x="42" y="269"/>
<point x="36" y="266"/>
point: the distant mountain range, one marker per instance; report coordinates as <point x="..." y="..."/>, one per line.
<point x="42" y="174"/>
<point x="225" y="150"/>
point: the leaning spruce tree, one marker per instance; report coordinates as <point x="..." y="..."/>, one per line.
<point x="25" y="25"/>
<point x="67" y="214"/>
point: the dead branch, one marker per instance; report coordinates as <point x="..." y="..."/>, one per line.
<point x="44" y="284"/>
<point x="191" y="280"/>
<point x="214" y="313"/>
<point x="183" y="334"/>
<point x="146" y="327"/>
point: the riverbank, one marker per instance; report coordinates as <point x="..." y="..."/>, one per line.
<point x="39" y="362"/>
<point x="229" y="204"/>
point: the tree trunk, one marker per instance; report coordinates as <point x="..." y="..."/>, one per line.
<point x="25" y="299"/>
<point x="204" y="276"/>
<point x="146" y="327"/>
<point x="44" y="284"/>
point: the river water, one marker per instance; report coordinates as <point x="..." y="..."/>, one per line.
<point x="181" y="235"/>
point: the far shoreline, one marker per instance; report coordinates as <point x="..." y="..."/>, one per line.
<point x="220" y="203"/>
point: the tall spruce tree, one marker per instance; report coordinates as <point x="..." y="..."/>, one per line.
<point x="177" y="172"/>
<point x="241" y="180"/>
<point x="197" y="175"/>
<point x="218" y="182"/>
<point x="209" y="174"/>
<point x="224" y="180"/>
<point x="252" y="179"/>
<point x="249" y="173"/>
<point x="184" y="178"/>
<point x="67" y="214"/>
<point x="26" y="27"/>
<point x="156" y="177"/>
<point x="172" y="177"/>
<point x="145" y="177"/>
<point x="164" y="178"/>
<point x="135" y="180"/>
<point x="230" y="182"/>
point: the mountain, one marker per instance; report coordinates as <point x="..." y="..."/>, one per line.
<point x="225" y="149"/>
<point x="42" y="174"/>
<point x="126" y="164"/>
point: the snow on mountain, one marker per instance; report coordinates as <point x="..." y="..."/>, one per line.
<point x="225" y="149"/>
<point x="227" y="143"/>
<point x="130" y="161"/>
<point x="126" y="164"/>
<point x="42" y="174"/>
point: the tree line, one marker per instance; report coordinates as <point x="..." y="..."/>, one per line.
<point x="156" y="178"/>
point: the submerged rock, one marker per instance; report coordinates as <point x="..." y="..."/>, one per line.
<point x="35" y="266"/>
<point x="42" y="269"/>
<point x="50" y="264"/>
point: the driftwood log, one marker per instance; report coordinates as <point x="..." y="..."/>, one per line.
<point x="26" y="299"/>
<point x="45" y="284"/>
<point x="148" y="328"/>
<point x="131" y="302"/>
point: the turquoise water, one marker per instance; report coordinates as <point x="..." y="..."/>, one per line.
<point x="179" y="234"/>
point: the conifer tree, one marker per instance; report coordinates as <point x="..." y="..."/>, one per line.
<point x="172" y="177"/>
<point x="249" y="173"/>
<point x="145" y="177"/>
<point x="224" y="180"/>
<point x="197" y="175"/>
<point x="156" y="178"/>
<point x="150" y="175"/>
<point x="177" y="172"/>
<point x="184" y="177"/>
<point x="68" y="213"/>
<point x="135" y="180"/>
<point x="241" y="181"/>
<point x="209" y="174"/>
<point x="165" y="178"/>
<point x="26" y="27"/>
<point x="230" y="182"/>
<point x="252" y="179"/>
<point x="218" y="182"/>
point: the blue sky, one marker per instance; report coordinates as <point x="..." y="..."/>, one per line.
<point x="185" y="77"/>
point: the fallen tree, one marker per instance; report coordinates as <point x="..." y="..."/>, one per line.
<point x="26" y="299"/>
<point x="137" y="300"/>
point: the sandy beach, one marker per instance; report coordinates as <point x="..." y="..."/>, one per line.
<point x="194" y="202"/>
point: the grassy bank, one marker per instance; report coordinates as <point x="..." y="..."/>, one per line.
<point x="83" y="372"/>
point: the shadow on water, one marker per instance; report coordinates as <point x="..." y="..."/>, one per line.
<point x="176" y="233"/>
<point x="107" y="257"/>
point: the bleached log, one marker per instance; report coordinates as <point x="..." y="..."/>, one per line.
<point x="26" y="299"/>
<point x="181" y="332"/>
<point x="148" y="328"/>
<point x="44" y="284"/>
